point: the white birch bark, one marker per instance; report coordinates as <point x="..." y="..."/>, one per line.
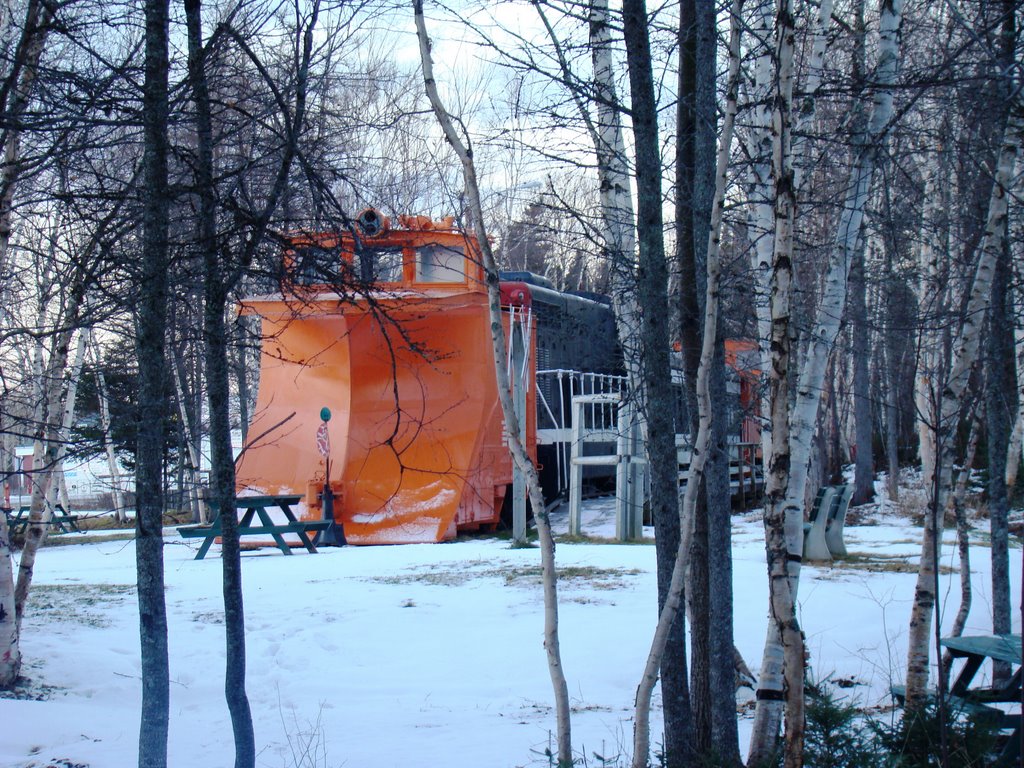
<point x="789" y="515"/>
<point x="965" y="353"/>
<point x="38" y="16"/>
<point x="63" y="497"/>
<point x="759" y="213"/>
<point x="40" y="398"/>
<point x="617" y="219"/>
<point x="698" y="459"/>
<point x="192" y="440"/>
<point x="1013" y="455"/>
<point x="116" y="494"/>
<point x="62" y="402"/>
<point x="520" y="457"/>
<point x="10" y="648"/>
<point x="932" y="302"/>
<point x="777" y="682"/>
<point x="617" y="222"/>
<point x="807" y="108"/>
<point x="962" y="541"/>
<point x="833" y="300"/>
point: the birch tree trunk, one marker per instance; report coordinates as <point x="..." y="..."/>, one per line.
<point x="1013" y="450"/>
<point x="890" y="377"/>
<point x="116" y="493"/>
<point x="760" y="186"/>
<point x="780" y="686"/>
<point x="864" y="468"/>
<point x="38" y="17"/>
<point x="932" y="301"/>
<point x="59" y="420"/>
<point x="833" y="301"/>
<point x="784" y="519"/>
<point x="965" y="352"/>
<point x="10" y="648"/>
<point x="617" y="218"/>
<point x="760" y="214"/>
<point x="963" y="542"/>
<point x="616" y="223"/>
<point x="518" y="450"/>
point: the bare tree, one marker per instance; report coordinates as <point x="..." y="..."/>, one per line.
<point x="786" y="522"/>
<point x="151" y="326"/>
<point x="518" y="450"/>
<point x="673" y="602"/>
<point x="938" y="472"/>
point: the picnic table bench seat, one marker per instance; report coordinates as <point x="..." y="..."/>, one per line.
<point x="823" y="533"/>
<point x="969" y="707"/>
<point x="976" y="701"/>
<point x="203" y="530"/>
<point x="256" y="521"/>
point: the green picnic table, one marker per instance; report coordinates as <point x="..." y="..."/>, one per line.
<point x="256" y="521"/>
<point x="61" y="520"/>
<point x="977" y="700"/>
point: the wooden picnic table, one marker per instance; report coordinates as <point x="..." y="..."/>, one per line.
<point x="256" y="521"/>
<point x="976" y="650"/>
<point x="977" y="701"/>
<point x="61" y="520"/>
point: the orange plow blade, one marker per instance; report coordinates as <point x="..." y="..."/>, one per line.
<point x="416" y="448"/>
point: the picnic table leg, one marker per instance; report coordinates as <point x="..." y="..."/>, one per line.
<point x="278" y="538"/>
<point x="1011" y="752"/>
<point x="205" y="546"/>
<point x="303" y="536"/>
<point x="963" y="680"/>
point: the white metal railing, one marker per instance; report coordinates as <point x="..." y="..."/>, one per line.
<point x="556" y="389"/>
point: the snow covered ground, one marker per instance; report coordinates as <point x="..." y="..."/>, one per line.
<point x="423" y="655"/>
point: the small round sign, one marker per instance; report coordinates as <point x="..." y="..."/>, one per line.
<point x="325" y="414"/>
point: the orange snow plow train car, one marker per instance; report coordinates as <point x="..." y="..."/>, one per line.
<point x="390" y="331"/>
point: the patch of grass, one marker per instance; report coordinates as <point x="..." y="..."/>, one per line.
<point x="525" y="576"/>
<point x="104" y="523"/>
<point x="875" y="563"/>
<point x="587" y="539"/>
<point x="27" y="689"/>
<point x="75" y="603"/>
<point x="437" y="575"/>
<point x="573" y="576"/>
<point x="209" y="617"/>
<point x="70" y="539"/>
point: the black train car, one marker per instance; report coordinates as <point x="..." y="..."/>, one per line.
<point x="577" y="350"/>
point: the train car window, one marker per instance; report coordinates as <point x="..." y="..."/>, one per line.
<point x="440" y="264"/>
<point x="380" y="265"/>
<point x="313" y="265"/>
